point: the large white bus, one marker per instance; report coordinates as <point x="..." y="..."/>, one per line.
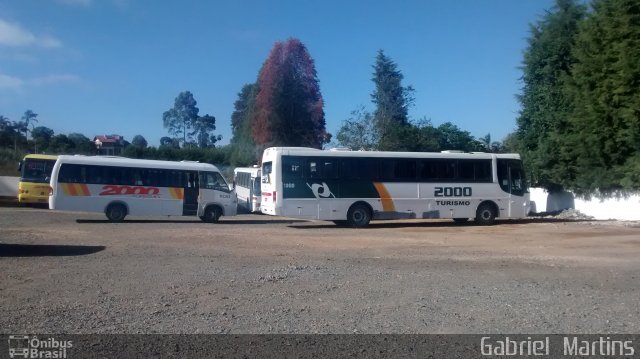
<point x="119" y="187"/>
<point x="354" y="187"/>
<point x="247" y="186"/>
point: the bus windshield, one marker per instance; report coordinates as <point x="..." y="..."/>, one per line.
<point x="36" y="170"/>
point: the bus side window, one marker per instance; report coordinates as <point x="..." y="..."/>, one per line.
<point x="291" y="168"/>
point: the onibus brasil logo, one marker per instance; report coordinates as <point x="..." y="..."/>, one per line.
<point x="321" y="190"/>
<point x="24" y="346"/>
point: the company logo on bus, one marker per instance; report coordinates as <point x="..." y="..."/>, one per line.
<point x="321" y="190"/>
<point x="138" y="191"/>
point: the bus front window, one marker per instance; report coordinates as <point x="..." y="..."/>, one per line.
<point x="37" y="171"/>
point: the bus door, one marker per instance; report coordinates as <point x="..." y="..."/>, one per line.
<point x="191" y="191"/>
<point x="512" y="181"/>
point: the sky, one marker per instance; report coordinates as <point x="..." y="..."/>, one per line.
<point x="114" y="66"/>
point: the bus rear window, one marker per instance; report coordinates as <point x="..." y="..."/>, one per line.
<point x="267" y="167"/>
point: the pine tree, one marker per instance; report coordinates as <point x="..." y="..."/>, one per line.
<point x="289" y="106"/>
<point x="392" y="102"/>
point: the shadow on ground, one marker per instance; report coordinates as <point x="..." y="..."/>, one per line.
<point x="45" y="250"/>
<point x="440" y="224"/>
<point x="222" y="221"/>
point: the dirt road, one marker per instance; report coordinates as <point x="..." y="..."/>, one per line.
<point x="77" y="273"/>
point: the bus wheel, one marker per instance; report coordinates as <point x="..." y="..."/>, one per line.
<point x="359" y="215"/>
<point x="486" y="214"/>
<point x="211" y="214"/>
<point x="116" y="212"/>
<point x="460" y="220"/>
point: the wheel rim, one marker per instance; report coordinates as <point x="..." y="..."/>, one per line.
<point x="358" y="216"/>
<point x="486" y="214"/>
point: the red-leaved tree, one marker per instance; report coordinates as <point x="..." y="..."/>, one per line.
<point x="289" y="107"/>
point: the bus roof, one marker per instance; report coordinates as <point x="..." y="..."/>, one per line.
<point x="129" y="162"/>
<point x="41" y="157"/>
<point x="304" y="151"/>
<point x="252" y="170"/>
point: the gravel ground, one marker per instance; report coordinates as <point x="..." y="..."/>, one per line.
<point x="76" y="273"/>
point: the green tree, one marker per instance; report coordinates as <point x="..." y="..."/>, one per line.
<point x="169" y="142"/>
<point x="179" y="119"/>
<point x="546" y="66"/>
<point x="81" y="144"/>
<point x="358" y="131"/>
<point x="603" y="133"/>
<point x="453" y="138"/>
<point x="203" y="127"/>
<point x="392" y="102"/>
<point x="61" y="144"/>
<point x="139" y="141"/>
<point x="41" y="136"/>
<point x="289" y="106"/>
<point x="29" y="118"/>
<point x="243" y="148"/>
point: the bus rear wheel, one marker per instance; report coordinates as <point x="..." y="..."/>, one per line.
<point x="212" y="214"/>
<point x="358" y="216"/>
<point x="116" y="212"/>
<point x="486" y="214"/>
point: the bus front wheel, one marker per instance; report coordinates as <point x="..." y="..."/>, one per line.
<point x="486" y="214"/>
<point x="116" y="212"/>
<point x="359" y="215"/>
<point x="211" y="214"/>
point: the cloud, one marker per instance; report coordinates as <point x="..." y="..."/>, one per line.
<point x="76" y="2"/>
<point x="14" y="35"/>
<point x="54" y="79"/>
<point x="18" y="85"/>
<point x="11" y="83"/>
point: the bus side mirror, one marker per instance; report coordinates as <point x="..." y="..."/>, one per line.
<point x="20" y="166"/>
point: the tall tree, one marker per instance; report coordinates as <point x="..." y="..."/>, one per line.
<point x="546" y="66"/>
<point x="604" y="125"/>
<point x="179" y="119"/>
<point x="243" y="147"/>
<point x="289" y="105"/>
<point x="392" y="101"/>
<point x="29" y="118"/>
<point x="203" y="128"/>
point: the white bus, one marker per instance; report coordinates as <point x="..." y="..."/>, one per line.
<point x="247" y="186"/>
<point x="354" y="187"/>
<point x="119" y="187"/>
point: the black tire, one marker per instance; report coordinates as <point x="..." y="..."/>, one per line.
<point x="211" y="214"/>
<point x="116" y="212"/>
<point x="358" y="215"/>
<point x="340" y="223"/>
<point x="460" y="220"/>
<point x="486" y="214"/>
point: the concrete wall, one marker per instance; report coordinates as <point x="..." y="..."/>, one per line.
<point x="611" y="208"/>
<point x="8" y="186"/>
